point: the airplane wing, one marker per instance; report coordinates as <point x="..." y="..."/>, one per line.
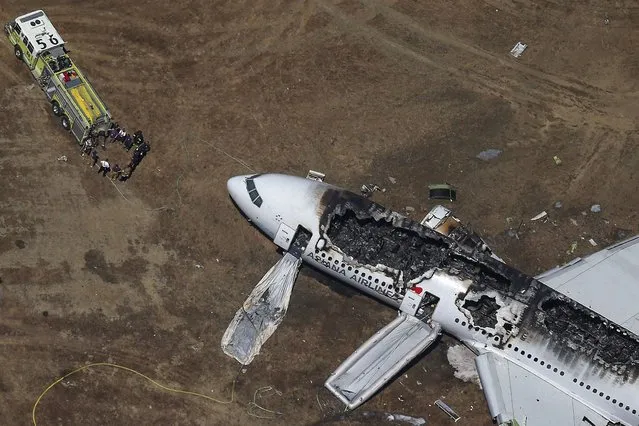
<point x="606" y="282"/>
<point x="516" y="396"/>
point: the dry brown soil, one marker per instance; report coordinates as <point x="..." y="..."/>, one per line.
<point x="91" y="272"/>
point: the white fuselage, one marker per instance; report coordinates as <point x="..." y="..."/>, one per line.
<point x="271" y="200"/>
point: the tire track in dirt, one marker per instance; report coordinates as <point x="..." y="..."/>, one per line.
<point x="622" y="15"/>
<point x="579" y="88"/>
<point x="574" y="101"/>
<point x="351" y="25"/>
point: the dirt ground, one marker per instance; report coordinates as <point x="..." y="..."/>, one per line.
<point x="363" y="91"/>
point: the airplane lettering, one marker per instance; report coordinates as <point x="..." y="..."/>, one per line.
<point x="389" y="292"/>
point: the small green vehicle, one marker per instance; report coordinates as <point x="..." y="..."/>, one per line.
<point x="37" y="43"/>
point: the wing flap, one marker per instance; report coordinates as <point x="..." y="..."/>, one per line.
<point x="380" y="358"/>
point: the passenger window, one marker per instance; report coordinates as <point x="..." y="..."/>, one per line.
<point x="30" y="47"/>
<point x="17" y="28"/>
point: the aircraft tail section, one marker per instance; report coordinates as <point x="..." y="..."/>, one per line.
<point x="262" y="312"/>
<point x="378" y="360"/>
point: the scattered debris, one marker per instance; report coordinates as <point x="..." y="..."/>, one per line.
<point x="518" y="49"/>
<point x="489" y="154"/>
<point x="368" y="188"/>
<point x="446" y="409"/>
<point x="574" y="222"/>
<point x="198" y="266"/>
<point x="462" y="360"/>
<point x="621" y="234"/>
<point x="392" y="180"/>
<point x="513" y="233"/>
<point x="573" y="247"/>
<point x="315" y="175"/>
<point x="557" y="160"/>
<point x="414" y="421"/>
<point x="592" y="242"/>
<point x="558" y="205"/>
<point x="62" y="158"/>
<point x="541" y="215"/>
<point x="595" y="208"/>
<point x="379" y="417"/>
<point x="409" y="209"/>
<point x="442" y="191"/>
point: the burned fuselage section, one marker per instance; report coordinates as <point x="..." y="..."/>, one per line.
<point x="585" y="333"/>
<point x="380" y="242"/>
<point x="499" y="302"/>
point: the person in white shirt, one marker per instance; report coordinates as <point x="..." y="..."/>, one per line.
<point x="104" y="167"/>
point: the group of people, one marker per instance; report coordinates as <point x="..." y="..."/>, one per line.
<point x="115" y="133"/>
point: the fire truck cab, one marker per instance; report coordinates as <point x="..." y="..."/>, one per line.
<point x="37" y="43"/>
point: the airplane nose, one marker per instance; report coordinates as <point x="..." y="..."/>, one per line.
<point x="236" y="187"/>
<point x="270" y="200"/>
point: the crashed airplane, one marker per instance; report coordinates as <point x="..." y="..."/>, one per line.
<point x="559" y="349"/>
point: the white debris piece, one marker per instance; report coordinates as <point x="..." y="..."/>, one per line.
<point x="400" y="418"/>
<point x="518" y="49"/>
<point x="368" y="188"/>
<point x="446" y="409"/>
<point x="262" y="312"/>
<point x="392" y="180"/>
<point x="592" y="242"/>
<point x="462" y="360"/>
<point x="62" y="158"/>
<point x="315" y="175"/>
<point x="540" y="216"/>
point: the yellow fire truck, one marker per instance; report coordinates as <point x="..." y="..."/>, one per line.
<point x="37" y="43"/>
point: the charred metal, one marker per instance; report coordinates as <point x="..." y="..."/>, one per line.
<point x="578" y="327"/>
<point x="373" y="242"/>
<point x="483" y="311"/>
<point x="372" y="235"/>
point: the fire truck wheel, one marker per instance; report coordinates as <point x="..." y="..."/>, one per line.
<point x="55" y="107"/>
<point x="66" y="124"/>
<point x="18" y="53"/>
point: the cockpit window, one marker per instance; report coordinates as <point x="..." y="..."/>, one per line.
<point x="252" y="191"/>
